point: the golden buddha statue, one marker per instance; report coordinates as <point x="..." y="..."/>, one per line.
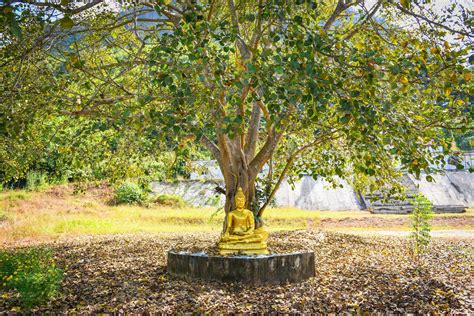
<point x="240" y="235"/>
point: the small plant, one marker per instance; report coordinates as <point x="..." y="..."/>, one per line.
<point x="215" y="213"/>
<point x="3" y="216"/>
<point x="130" y="193"/>
<point x="214" y="200"/>
<point x="169" y="200"/>
<point x="32" y="273"/>
<point x="36" y="180"/>
<point x="421" y="228"/>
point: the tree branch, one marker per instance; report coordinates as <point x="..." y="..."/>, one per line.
<point x="340" y="7"/>
<point x="258" y="29"/>
<point x="206" y="142"/>
<point x="265" y="152"/>
<point x="288" y="164"/>
<point x="368" y="16"/>
<point x="438" y="24"/>
<point x="252" y="134"/>
<point x="244" y="51"/>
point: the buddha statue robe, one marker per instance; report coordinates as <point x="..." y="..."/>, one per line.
<point x="240" y="235"/>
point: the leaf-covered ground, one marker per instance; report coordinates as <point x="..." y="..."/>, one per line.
<point x="127" y="273"/>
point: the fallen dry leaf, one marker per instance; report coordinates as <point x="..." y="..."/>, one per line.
<point x="127" y="274"/>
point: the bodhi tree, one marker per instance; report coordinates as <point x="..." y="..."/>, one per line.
<point x="325" y="88"/>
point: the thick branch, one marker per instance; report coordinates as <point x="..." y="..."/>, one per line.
<point x="87" y="6"/>
<point x="60" y="7"/>
<point x="233" y="16"/>
<point x="340" y="7"/>
<point x="244" y="51"/>
<point x="258" y="28"/>
<point x="172" y="17"/>
<point x="265" y="153"/>
<point x="252" y="134"/>
<point x="266" y="113"/>
<point x="289" y="163"/>
<point x="206" y="142"/>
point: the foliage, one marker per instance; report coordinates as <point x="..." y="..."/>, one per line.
<point x="129" y="193"/>
<point x="169" y="200"/>
<point x="214" y="200"/>
<point x="421" y="228"/>
<point x="32" y="273"/>
<point x="80" y="150"/>
<point x="331" y="89"/>
<point x="465" y="141"/>
<point x="36" y="180"/>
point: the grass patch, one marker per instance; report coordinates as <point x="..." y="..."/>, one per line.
<point x="169" y="201"/>
<point x="3" y="216"/>
<point x="31" y="273"/>
<point x="36" y="180"/>
<point x="14" y="196"/>
<point x="43" y="216"/>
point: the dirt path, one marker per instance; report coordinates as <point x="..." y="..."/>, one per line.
<point x="449" y="234"/>
<point x="380" y="222"/>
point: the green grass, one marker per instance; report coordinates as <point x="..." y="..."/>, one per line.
<point x="86" y="217"/>
<point x="37" y="215"/>
<point x="14" y="195"/>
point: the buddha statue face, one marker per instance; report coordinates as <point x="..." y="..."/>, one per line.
<point x="240" y="199"/>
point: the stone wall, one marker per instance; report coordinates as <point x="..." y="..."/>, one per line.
<point x="452" y="190"/>
<point x="310" y="194"/>
<point x="194" y="192"/>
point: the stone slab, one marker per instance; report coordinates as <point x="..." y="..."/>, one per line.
<point x="407" y="209"/>
<point x="257" y="270"/>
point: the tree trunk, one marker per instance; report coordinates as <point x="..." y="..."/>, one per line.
<point x="240" y="177"/>
<point x="237" y="172"/>
<point x="246" y="181"/>
<point x="238" y="159"/>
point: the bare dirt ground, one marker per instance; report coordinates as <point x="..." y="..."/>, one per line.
<point x="381" y="222"/>
<point x="127" y="274"/>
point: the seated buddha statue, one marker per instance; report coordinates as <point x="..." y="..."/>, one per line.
<point x="240" y="235"/>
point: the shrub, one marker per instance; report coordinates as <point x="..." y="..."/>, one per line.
<point x="36" y="180"/>
<point x="421" y="228"/>
<point x="169" y="200"/>
<point x="32" y="273"/>
<point x="129" y="193"/>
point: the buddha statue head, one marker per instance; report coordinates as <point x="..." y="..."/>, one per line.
<point x="240" y="198"/>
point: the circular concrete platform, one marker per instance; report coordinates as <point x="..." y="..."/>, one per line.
<point x="261" y="269"/>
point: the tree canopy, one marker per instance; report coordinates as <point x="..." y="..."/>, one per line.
<point x="325" y="88"/>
